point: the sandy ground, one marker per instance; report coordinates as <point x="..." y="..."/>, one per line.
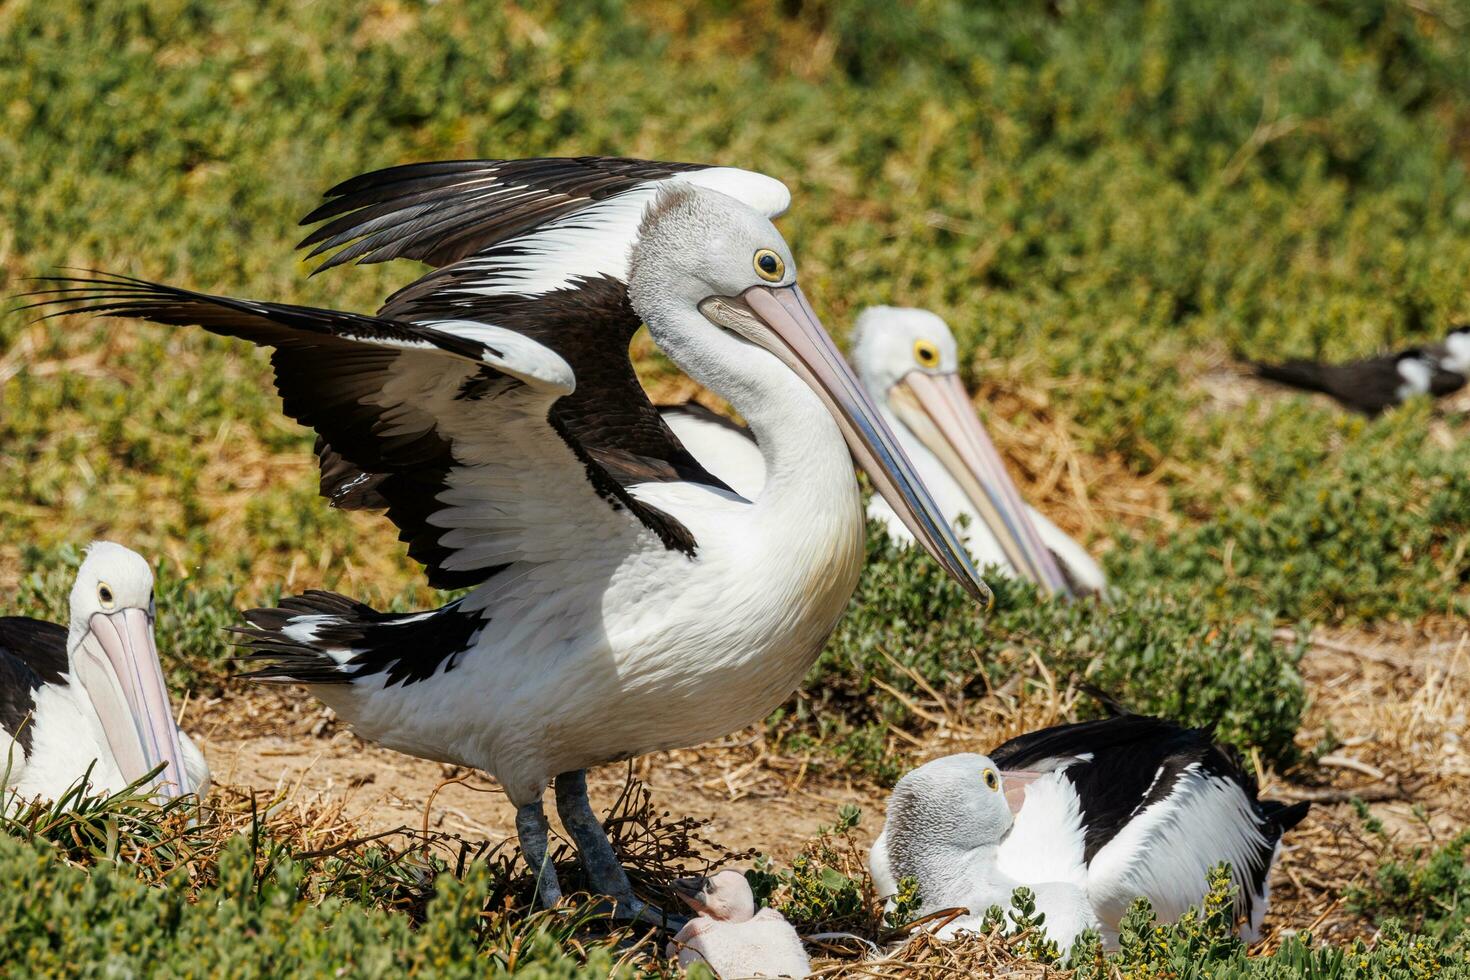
<point x="1393" y="701"/>
<point x="281" y="742"/>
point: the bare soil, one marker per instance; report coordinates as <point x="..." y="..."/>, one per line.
<point x="1387" y="724"/>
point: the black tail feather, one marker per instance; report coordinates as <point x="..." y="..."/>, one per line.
<point x="1308" y="375"/>
<point x="404" y="647"/>
<point x="1283" y="816"/>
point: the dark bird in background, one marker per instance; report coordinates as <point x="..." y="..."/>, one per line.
<point x="1374" y="384"/>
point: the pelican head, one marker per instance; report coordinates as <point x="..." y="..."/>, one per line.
<point x="703" y="260"/>
<point x="952" y="805"/>
<point x="725" y="896"/>
<point x="114" y="659"/>
<point x="908" y="359"/>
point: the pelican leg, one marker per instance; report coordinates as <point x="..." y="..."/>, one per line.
<point x="604" y="872"/>
<point x="532" y="830"/>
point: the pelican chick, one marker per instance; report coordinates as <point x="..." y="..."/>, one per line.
<point x="730" y="936"/>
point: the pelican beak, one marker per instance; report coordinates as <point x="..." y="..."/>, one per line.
<point x="937" y="409"/>
<point x="690" y="890"/>
<point x="1013" y="787"/>
<point x="117" y="664"/>
<point x="780" y="319"/>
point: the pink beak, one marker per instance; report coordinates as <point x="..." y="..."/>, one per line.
<point x="937" y="409"/>
<point x="117" y="664"/>
<point x="1014" y="783"/>
<point x="804" y="346"/>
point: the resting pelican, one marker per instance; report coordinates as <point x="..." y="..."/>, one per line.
<point x="91" y="694"/>
<point x="909" y="363"/>
<point x="1129" y="807"/>
<point x="946" y="827"/>
<point x="622" y="599"/>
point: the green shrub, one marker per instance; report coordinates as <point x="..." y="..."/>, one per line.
<point x="1427" y="889"/>
<point x="65" y="921"/>
<point x="1379" y="530"/>
<point x="1154" y="651"/>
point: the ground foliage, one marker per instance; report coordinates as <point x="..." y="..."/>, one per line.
<point x="1106" y="200"/>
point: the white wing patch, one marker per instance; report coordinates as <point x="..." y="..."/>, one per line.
<point x="729" y="455"/>
<point x="1416" y="374"/>
<point x="519" y="356"/>
<point x="1166" y="851"/>
<point x="765" y="194"/>
<point x="595" y="241"/>
<point x="598" y="239"/>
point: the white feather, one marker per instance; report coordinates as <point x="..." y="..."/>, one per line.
<point x="1166" y="851"/>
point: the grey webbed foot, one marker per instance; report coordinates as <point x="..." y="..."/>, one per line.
<point x="604" y="872"/>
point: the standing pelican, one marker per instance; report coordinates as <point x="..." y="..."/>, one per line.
<point x="91" y="694"/>
<point x="909" y="363"/>
<point x="622" y="600"/>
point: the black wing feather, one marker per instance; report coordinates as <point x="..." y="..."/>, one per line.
<point x="442" y="212"/>
<point x="32" y="653"/>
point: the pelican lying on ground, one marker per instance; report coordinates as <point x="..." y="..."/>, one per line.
<point x="947" y="823"/>
<point x="1375" y="384"/>
<point x="91" y="694"/>
<point x="1132" y="807"/>
<point x="622" y="599"/>
<point x="909" y="363"/>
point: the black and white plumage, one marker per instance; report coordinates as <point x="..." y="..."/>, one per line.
<point x="91" y="694"/>
<point x="1132" y="806"/>
<point x="946" y="825"/>
<point x="1375" y="384"/>
<point x="622" y="600"/>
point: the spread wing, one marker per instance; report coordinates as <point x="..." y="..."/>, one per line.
<point x="540" y="247"/>
<point x="447" y="425"/>
<point x="490" y="407"/>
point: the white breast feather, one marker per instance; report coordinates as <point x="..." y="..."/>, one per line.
<point x="1046" y="841"/>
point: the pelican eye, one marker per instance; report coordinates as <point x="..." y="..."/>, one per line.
<point x="992" y="781"/>
<point x="769" y="266"/>
<point x="926" y="353"/>
<point x="104" y="595"/>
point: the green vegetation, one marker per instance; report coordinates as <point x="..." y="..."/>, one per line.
<point x="1429" y="891"/>
<point x="912" y="631"/>
<point x="62" y="921"/>
<point x="1106" y="200"/>
<point x="1200" y="945"/>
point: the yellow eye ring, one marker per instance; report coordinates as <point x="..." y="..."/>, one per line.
<point x="992" y="781"/>
<point x="104" y="595"/>
<point x="926" y="353"/>
<point x="768" y="265"/>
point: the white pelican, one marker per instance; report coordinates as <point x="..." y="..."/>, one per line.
<point x="1133" y="807"/>
<point x="91" y="693"/>
<point x="908" y="361"/>
<point x="622" y="599"/>
<point x="946" y="824"/>
<point x="730" y="937"/>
